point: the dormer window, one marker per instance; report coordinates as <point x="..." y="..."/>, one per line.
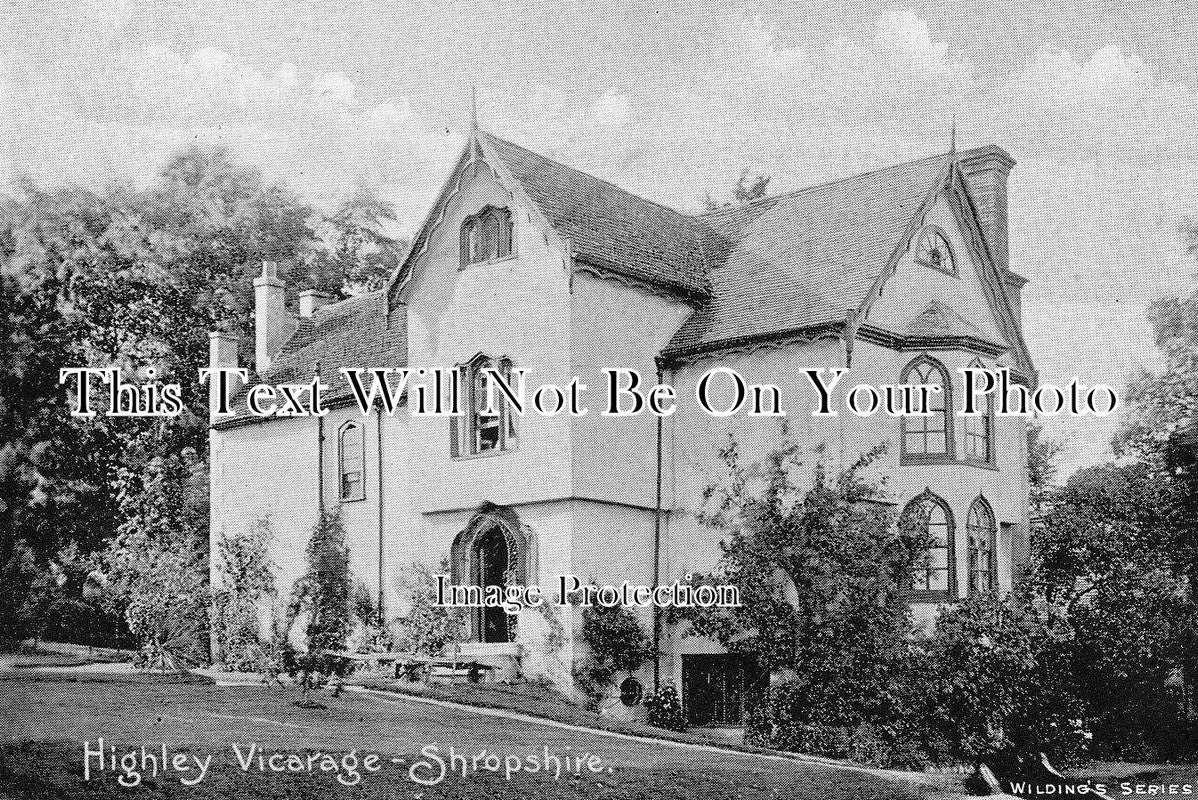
<point x="486" y="236"/>
<point x="933" y="251"/>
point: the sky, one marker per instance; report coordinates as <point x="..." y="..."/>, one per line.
<point x="1097" y="102"/>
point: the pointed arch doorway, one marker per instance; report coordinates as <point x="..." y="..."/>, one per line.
<point x="494" y="549"/>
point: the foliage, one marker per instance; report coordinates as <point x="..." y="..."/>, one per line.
<point x="745" y="191"/>
<point x="355" y="254"/>
<point x="1042" y="455"/>
<point x="23" y="597"/>
<point x="247" y="581"/>
<point x="993" y="692"/>
<point x="136" y="278"/>
<point x="665" y="709"/>
<point x="427" y="628"/>
<point x="325" y="592"/>
<point x="615" y="642"/>
<point x="822" y="572"/>
<point x="156" y="568"/>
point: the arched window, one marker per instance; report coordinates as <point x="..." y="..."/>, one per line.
<point x="932" y="250"/>
<point x="979" y="429"/>
<point x="934" y="577"/>
<point x="483" y="429"/>
<point x="350" y="462"/>
<point x="486" y="236"/>
<point x="928" y="437"/>
<point x="979" y="525"/>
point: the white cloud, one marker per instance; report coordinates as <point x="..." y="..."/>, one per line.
<point x="312" y="131"/>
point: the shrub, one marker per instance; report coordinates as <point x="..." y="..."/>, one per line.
<point x="1000" y="683"/>
<point x="247" y="580"/>
<point x="615" y="642"/>
<point x="665" y="709"/>
<point x="427" y="628"/>
<point x="156" y="567"/>
<point x="325" y="594"/>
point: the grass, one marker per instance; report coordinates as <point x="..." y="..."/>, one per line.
<point x="44" y="719"/>
<point x="1116" y="773"/>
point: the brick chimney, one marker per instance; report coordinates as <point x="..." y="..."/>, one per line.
<point x="986" y="170"/>
<point x="311" y="299"/>
<point x="222" y="352"/>
<point x="273" y="323"/>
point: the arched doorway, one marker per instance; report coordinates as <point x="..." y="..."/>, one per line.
<point x="491" y="566"/>
<point x="494" y="549"/>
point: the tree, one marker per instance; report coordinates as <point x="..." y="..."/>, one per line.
<point x="745" y="191"/>
<point x="135" y="279"/>
<point x="1042" y="455"/>
<point x="355" y="253"/>
<point x="1103" y="560"/>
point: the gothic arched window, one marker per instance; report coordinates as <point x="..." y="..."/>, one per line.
<point x="483" y="428"/>
<point x="934" y="577"/>
<point x="932" y="250"/>
<point x="486" y="236"/>
<point x="351" y="462"/>
<point x="983" y="556"/>
<point x="928" y="437"/>
<point x="979" y="429"/>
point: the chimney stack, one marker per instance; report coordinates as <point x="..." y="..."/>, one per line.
<point x="222" y="352"/>
<point x="311" y="299"/>
<point x="986" y="170"/>
<point x="273" y="323"/>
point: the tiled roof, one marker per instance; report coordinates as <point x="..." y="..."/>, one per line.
<point x="353" y="333"/>
<point x="607" y="226"/>
<point x="791" y="262"/>
<point x="804" y="259"/>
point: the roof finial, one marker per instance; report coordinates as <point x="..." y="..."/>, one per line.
<point x="473" y="109"/>
<point x="952" y="141"/>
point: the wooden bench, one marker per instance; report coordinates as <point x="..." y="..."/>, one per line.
<point x="410" y="665"/>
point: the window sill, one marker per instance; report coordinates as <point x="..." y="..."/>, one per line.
<point x="944" y="461"/>
<point x="486" y="263"/>
<point x="353" y="499"/>
<point x="923" y="461"/>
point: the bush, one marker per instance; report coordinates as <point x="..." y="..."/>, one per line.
<point x="665" y="709"/>
<point x="156" y="568"/>
<point x="247" y="579"/>
<point x="325" y="594"/>
<point x="1001" y="683"/>
<point x="615" y="642"/>
<point x="427" y="628"/>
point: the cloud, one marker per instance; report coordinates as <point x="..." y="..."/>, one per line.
<point x="311" y="130"/>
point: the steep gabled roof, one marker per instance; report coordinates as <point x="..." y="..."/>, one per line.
<point x="607" y="226"/>
<point x="804" y="259"/>
<point x="356" y="332"/>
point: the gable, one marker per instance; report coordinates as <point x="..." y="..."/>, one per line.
<point x="920" y="300"/>
<point x="803" y="260"/>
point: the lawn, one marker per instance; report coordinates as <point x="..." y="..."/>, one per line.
<point x="45" y="719"/>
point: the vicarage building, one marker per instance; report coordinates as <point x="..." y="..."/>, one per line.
<point x="901" y="274"/>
